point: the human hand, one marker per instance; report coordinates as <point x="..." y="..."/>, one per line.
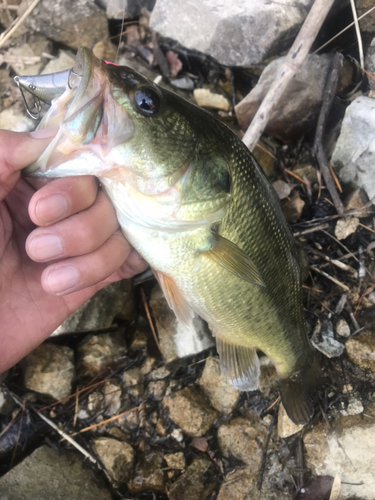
<point x="77" y="250"/>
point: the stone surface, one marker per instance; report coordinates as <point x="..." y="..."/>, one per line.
<point x="346" y="227"/>
<point x="370" y="63"/>
<point x="207" y="99"/>
<point x="323" y="339"/>
<point x="147" y="474"/>
<point x="188" y="409"/>
<point x="299" y="105"/>
<point x="191" y="485"/>
<point x="64" y="60"/>
<point x="367" y="24"/>
<point x="45" y="475"/>
<point x="342" y="328"/>
<point x="72" y="22"/>
<point x="6" y="403"/>
<point x="133" y="382"/>
<point x="97" y="351"/>
<point x="325" y="456"/>
<point x="112" y="398"/>
<point x="285" y="427"/>
<point x="175" y="460"/>
<point x="239" y="485"/>
<point x="237" y="33"/>
<point x="361" y="350"/>
<point x="26" y="61"/>
<point x="243" y="438"/>
<point x="119" y="9"/>
<point x="356" y="200"/>
<point x="221" y="394"/>
<point x="177" y="340"/>
<point x="16" y="119"/>
<point x="100" y="310"/>
<point x="49" y="369"/>
<point x="353" y="157"/>
<point x="116" y="456"/>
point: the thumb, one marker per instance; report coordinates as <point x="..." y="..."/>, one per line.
<point x="17" y="151"/>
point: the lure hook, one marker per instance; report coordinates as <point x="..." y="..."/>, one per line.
<point x="32" y="114"/>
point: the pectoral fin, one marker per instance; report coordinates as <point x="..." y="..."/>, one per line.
<point x="175" y="298"/>
<point x="239" y="364"/>
<point x="228" y="255"/>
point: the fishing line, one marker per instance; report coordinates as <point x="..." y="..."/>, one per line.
<point x="122" y="29"/>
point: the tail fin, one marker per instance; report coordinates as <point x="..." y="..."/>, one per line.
<point x="297" y="392"/>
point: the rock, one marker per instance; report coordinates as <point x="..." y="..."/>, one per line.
<point x="265" y="159"/>
<point x="355" y="407"/>
<point x="357" y="200"/>
<point x="346" y="227"/>
<point x="71" y="22"/>
<point x="347" y="450"/>
<point x="285" y="427"/>
<point x="192" y="484"/>
<point x="243" y="439"/>
<point x="367" y="24"/>
<point x="342" y="328"/>
<point x="112" y="399"/>
<point x="97" y="351"/>
<point x="61" y="62"/>
<point x="293" y="207"/>
<point x="133" y="382"/>
<point x="299" y="105"/>
<point x="26" y="61"/>
<point x="177" y="340"/>
<point x="361" y="350"/>
<point x="268" y="379"/>
<point x="189" y="410"/>
<point x="7" y="404"/>
<point x="120" y="9"/>
<point x="16" y="119"/>
<point x="370" y="63"/>
<point x="100" y="311"/>
<point x="141" y="334"/>
<point x="175" y="460"/>
<point x="157" y="389"/>
<point x="236" y="33"/>
<point x="323" y="339"/>
<point x="45" y="474"/>
<point x="116" y="456"/>
<point x="208" y="99"/>
<point x="49" y="369"/>
<point x="147" y="474"/>
<point x="221" y="394"/>
<point x="239" y="485"/>
<point x="353" y="157"/>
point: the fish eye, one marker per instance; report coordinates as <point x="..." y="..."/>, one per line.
<point x="147" y="101"/>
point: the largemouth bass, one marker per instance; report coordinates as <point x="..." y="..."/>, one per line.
<point x="190" y="197"/>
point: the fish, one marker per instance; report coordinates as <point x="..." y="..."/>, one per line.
<point x="192" y="200"/>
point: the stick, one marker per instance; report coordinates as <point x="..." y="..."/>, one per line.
<point x="341" y="285"/>
<point x="18" y="23"/>
<point x="291" y="66"/>
<point x="358" y="33"/>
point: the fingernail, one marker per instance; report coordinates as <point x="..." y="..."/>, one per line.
<point x="51" y="208"/>
<point x="45" y="247"/>
<point x="44" y="133"/>
<point x="62" y="279"/>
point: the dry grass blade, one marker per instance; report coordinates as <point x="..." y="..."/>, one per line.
<point x="147" y="309"/>
<point x="8" y="33"/>
<point x="112" y="419"/>
<point x="295" y="176"/>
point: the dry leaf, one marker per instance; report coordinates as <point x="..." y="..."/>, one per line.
<point x="283" y="189"/>
<point x="200" y="444"/>
<point x="175" y="65"/>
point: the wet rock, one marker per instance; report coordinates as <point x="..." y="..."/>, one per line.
<point x="100" y="311"/>
<point x="221" y="394"/>
<point x="177" y="340"/>
<point x="119" y="9"/>
<point x="361" y="350"/>
<point x="353" y="157"/>
<point x="7" y="404"/>
<point x="61" y="62"/>
<point x="16" y="119"/>
<point x="175" y="460"/>
<point x="133" y="382"/>
<point x="191" y="484"/>
<point x="116" y="456"/>
<point x="239" y="485"/>
<point x="323" y="339"/>
<point x="147" y="474"/>
<point x="342" y="328"/>
<point x="97" y="351"/>
<point x="49" y="369"/>
<point x="236" y="34"/>
<point x="74" y="23"/>
<point x="207" y="99"/>
<point x="243" y="438"/>
<point x="300" y="103"/>
<point x="285" y="427"/>
<point x="188" y="409"/>
<point x="45" y="474"/>
<point x="346" y="227"/>
<point x="348" y="451"/>
<point x="112" y="399"/>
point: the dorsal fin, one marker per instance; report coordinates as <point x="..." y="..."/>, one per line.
<point x="175" y="298"/>
<point x="239" y="364"/>
<point x="235" y="260"/>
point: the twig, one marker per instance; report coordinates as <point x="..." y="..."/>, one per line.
<point x="147" y="309"/>
<point x="336" y="281"/>
<point x="320" y="227"/>
<point x="295" y="176"/>
<point x="104" y="422"/>
<point x="291" y="66"/>
<point x="358" y="33"/>
<point x="264" y="458"/>
<point x="5" y="36"/>
<point x="329" y="95"/>
<point x="337" y="263"/>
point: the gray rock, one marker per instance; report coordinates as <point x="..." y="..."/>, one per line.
<point x="237" y="33"/>
<point x="370" y="62"/>
<point x="188" y="409"/>
<point x="222" y="395"/>
<point x="61" y="62"/>
<point x="97" y="351"/>
<point x="367" y="24"/>
<point x="361" y="350"/>
<point x="16" y="119"/>
<point x="7" y="404"/>
<point x="353" y="157"/>
<point x="49" y="369"/>
<point x="119" y="9"/>
<point x="133" y="382"/>
<point x="355" y="407"/>
<point x="192" y="485"/>
<point x="72" y="22"/>
<point x="147" y="474"/>
<point x="44" y="475"/>
<point x="323" y="339"/>
<point x="348" y="451"/>
<point x="116" y="456"/>
<point x="112" y="398"/>
<point x="100" y="311"/>
<point x="285" y="427"/>
<point x="299" y="105"/>
<point x="342" y="328"/>
<point x="176" y="339"/>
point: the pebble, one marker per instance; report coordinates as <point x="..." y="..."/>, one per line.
<point x="192" y="485"/>
<point x="207" y="99"/>
<point x="147" y="474"/>
<point x="285" y="427"/>
<point x="175" y="460"/>
<point x="7" y="404"/>
<point x="361" y="350"/>
<point x="112" y="399"/>
<point x="342" y="328"/>
<point x="116" y="456"/>
<point x="346" y="227"/>
<point x="97" y="351"/>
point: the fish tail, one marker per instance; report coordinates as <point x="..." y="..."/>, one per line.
<point x="297" y="391"/>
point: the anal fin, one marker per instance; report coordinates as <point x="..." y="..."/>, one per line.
<point x="175" y="298"/>
<point x="239" y="364"/>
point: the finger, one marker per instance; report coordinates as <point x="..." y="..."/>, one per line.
<point x="82" y="272"/>
<point x="79" y="234"/>
<point x="133" y="265"/>
<point x="62" y="198"/>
